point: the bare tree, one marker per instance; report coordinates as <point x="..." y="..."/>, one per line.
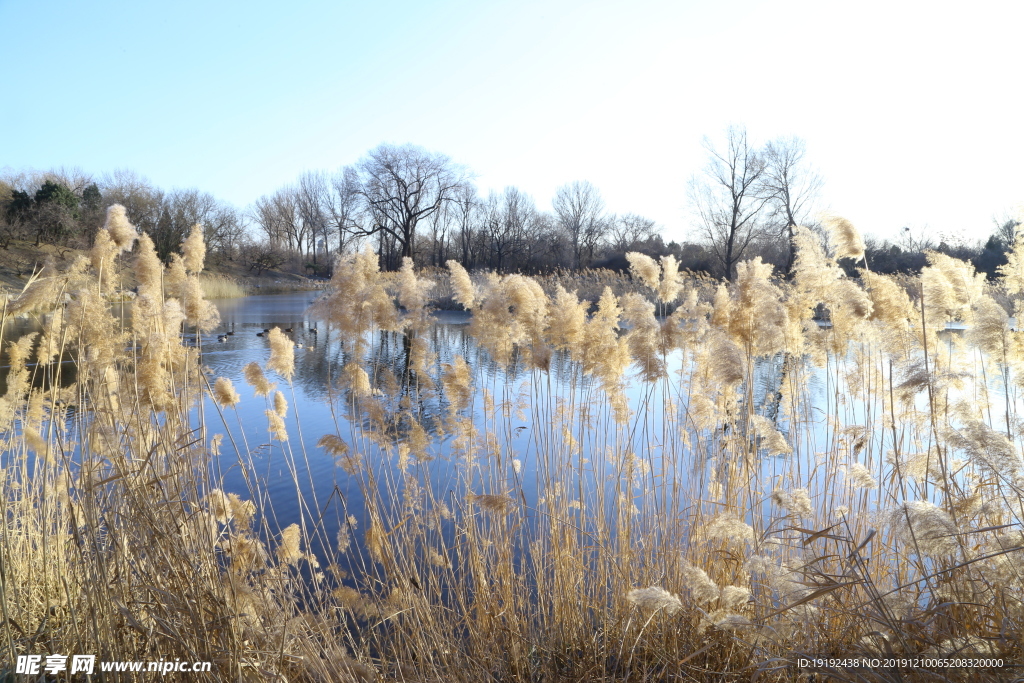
<point x="142" y="201"/>
<point x="440" y="223"/>
<point x="345" y="208"/>
<point x="224" y="231"/>
<point x="312" y="200"/>
<point x="166" y="216"/>
<point x="73" y="178"/>
<point x="1006" y="229"/>
<point x="261" y="256"/>
<point x="628" y="230"/>
<point x="278" y="217"/>
<point x="402" y="186"/>
<point x="510" y="217"/>
<point x="467" y="209"/>
<point x="179" y="211"/>
<point x="578" y="206"/>
<point x="264" y="214"/>
<point x="728" y="200"/>
<point x="10" y="225"/>
<point x="791" y="188"/>
<point x="544" y="245"/>
<point x="916" y="240"/>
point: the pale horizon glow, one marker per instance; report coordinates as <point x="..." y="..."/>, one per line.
<point x="907" y="109"/>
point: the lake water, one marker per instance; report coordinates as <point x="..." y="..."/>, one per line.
<point x="296" y="472"/>
<point x="296" y="481"/>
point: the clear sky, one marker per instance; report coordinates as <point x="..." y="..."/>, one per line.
<point x="910" y="111"/>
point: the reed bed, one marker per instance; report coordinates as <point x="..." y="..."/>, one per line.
<point x="222" y="287"/>
<point x="588" y="284"/>
<point x="717" y="493"/>
<point x="226" y="287"/>
<point x="265" y="285"/>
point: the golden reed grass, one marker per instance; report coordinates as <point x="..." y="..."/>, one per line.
<point x="723" y="485"/>
<point x="221" y="287"/>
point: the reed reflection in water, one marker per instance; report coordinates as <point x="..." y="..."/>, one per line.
<point x="513" y="400"/>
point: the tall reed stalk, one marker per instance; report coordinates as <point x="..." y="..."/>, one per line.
<point x="693" y="482"/>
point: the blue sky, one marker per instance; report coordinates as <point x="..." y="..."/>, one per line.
<point x="910" y="111"/>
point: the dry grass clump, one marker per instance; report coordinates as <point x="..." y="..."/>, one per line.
<point x="221" y="287"/>
<point x="687" y="483"/>
<point x="118" y="540"/>
<point x="455" y="289"/>
<point x="697" y="508"/>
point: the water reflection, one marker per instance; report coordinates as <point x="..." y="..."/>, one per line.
<point x="295" y="476"/>
<point x="321" y="403"/>
<point x="42" y="376"/>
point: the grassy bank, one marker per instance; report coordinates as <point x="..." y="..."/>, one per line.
<point x="222" y="279"/>
<point x="220" y="287"/>
<point x="225" y="287"/>
<point x="773" y="490"/>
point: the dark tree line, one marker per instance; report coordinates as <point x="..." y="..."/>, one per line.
<point x="908" y="253"/>
<point x="65" y="208"/>
<point x="406" y="201"/>
<point x="50" y="209"/>
<point x="749" y="198"/>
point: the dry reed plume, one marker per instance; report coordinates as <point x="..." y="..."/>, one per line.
<point x="118" y="540"/>
<point x="719" y="486"/>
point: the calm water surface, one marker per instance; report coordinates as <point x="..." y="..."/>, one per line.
<point x="297" y="470"/>
<point x="296" y="479"/>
